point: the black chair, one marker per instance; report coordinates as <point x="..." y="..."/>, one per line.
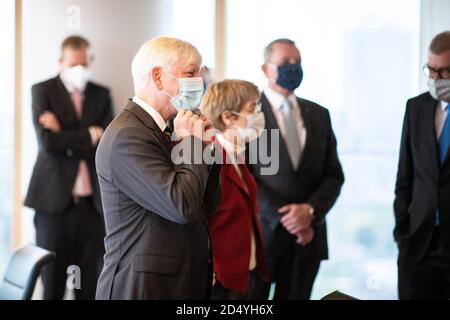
<point x="23" y="271"/>
<point x="337" y="295"/>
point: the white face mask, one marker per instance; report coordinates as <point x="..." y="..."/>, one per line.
<point x="190" y="95"/>
<point x="254" y="128"/>
<point x="77" y="76"/>
<point x="440" y="89"/>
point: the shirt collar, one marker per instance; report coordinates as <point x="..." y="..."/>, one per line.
<point x="151" y="111"/>
<point x="444" y="105"/>
<point x="276" y="99"/>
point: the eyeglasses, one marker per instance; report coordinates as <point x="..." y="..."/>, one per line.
<point x="443" y="73"/>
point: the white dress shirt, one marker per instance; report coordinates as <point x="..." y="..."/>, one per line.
<point x="152" y="112"/>
<point x="276" y="100"/>
<point x="441" y="116"/>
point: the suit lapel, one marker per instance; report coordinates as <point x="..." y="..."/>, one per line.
<point x="88" y="105"/>
<point x="249" y="180"/>
<point x="307" y="120"/>
<point x="232" y="174"/>
<point x="69" y="109"/>
<point x="149" y="122"/>
<point x="428" y="127"/>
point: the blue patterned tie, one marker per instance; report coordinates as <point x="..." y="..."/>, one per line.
<point x="444" y="140"/>
<point x="444" y="143"/>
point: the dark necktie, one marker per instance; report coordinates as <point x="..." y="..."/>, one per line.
<point x="168" y="133"/>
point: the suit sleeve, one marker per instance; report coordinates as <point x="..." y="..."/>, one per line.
<point x="143" y="171"/>
<point x="403" y="186"/>
<point x="329" y="188"/>
<point x="72" y="139"/>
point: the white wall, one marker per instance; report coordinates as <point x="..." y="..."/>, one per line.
<point x="435" y="16"/>
<point x="115" y="28"/>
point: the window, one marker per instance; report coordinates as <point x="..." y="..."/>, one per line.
<point x="361" y="61"/>
<point x="6" y="127"/>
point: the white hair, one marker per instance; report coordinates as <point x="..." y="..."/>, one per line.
<point x="161" y="52"/>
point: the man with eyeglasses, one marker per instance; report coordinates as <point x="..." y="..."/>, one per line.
<point x="294" y="202"/>
<point x="422" y="193"/>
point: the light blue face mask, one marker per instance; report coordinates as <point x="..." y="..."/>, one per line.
<point x="191" y="93"/>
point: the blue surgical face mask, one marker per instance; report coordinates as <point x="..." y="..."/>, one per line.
<point x="290" y="76"/>
<point x="190" y="95"/>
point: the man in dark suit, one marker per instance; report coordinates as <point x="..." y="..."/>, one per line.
<point x="422" y="193"/>
<point x="69" y="114"/>
<point x="157" y="244"/>
<point x="294" y="201"/>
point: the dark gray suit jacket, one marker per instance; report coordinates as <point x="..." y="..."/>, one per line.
<point x="317" y="181"/>
<point x="155" y="213"/>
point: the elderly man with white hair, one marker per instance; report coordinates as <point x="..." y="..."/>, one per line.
<point x="155" y="210"/>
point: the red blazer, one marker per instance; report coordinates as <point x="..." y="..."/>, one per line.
<point x="230" y="230"/>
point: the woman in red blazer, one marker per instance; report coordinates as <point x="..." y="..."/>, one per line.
<point x="235" y="231"/>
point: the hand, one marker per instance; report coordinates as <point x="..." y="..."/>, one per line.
<point x="49" y="121"/>
<point x="96" y="133"/>
<point x="188" y="124"/>
<point x="305" y="237"/>
<point x="209" y="134"/>
<point x="296" y="217"/>
<point x="208" y="124"/>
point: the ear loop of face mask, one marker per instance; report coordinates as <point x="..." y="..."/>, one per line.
<point x="250" y="119"/>
<point x="250" y="132"/>
<point x="244" y="116"/>
<point x="240" y="115"/>
<point x="253" y="114"/>
<point x="179" y="89"/>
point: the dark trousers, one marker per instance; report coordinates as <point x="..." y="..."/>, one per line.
<point x="76" y="236"/>
<point x="292" y="274"/>
<point x="428" y="279"/>
<point x="219" y="292"/>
